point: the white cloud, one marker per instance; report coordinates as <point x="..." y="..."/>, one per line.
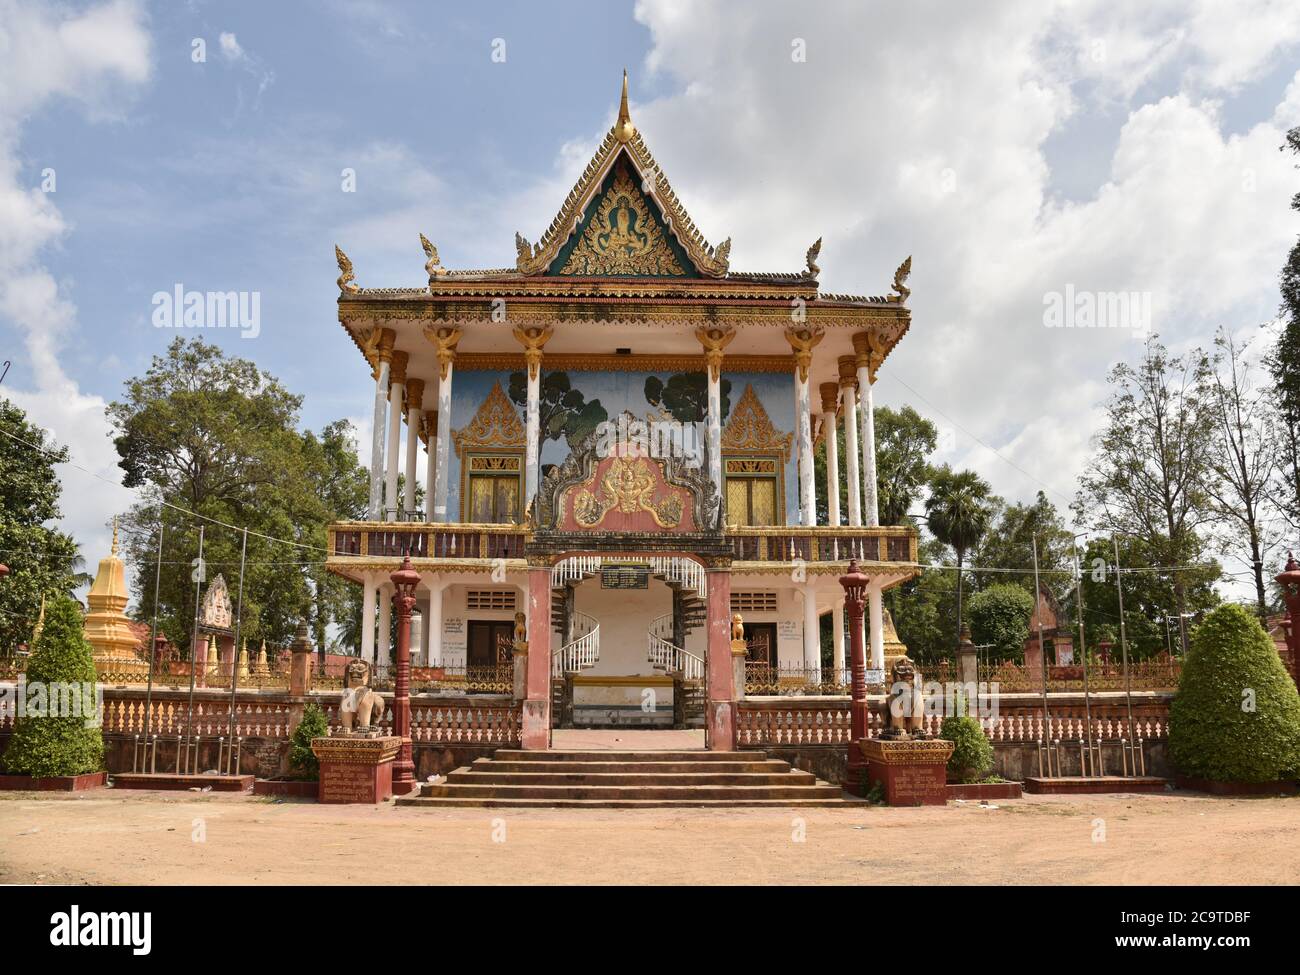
<point x="48" y="54"/>
<point x="230" y="48"/>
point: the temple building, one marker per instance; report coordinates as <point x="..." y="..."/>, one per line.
<point x="616" y="437"/>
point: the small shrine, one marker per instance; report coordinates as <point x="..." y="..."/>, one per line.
<point x="106" y="626"/>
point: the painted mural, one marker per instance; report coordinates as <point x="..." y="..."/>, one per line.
<point x="575" y="403"/>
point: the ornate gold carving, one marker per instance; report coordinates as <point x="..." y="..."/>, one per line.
<point x="749" y="465"/>
<point x="445" y="340"/>
<point x="601" y="362"/>
<point x="533" y="340"/>
<point x="803" y="341"/>
<point x="623" y="237"/>
<point x="750" y="430"/>
<point x="901" y="291"/>
<point x="627" y="487"/>
<point x="347" y="278"/>
<point x="714" y="341"/>
<point x="495" y="425"/>
<point x="414" y="396"/>
<point x="870" y="348"/>
<point x="811" y="257"/>
<point x="624" y="130"/>
<point x="397" y="373"/>
<point x="432" y="266"/>
<point x="830" y="396"/>
<point x="848" y="371"/>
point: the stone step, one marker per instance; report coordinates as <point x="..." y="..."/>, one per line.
<point x="490" y="776"/>
<point x="769" y="766"/>
<point x="819" y="790"/>
<point x="602" y="755"/>
<point x="446" y="802"/>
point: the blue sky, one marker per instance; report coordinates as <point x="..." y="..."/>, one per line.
<point x="1012" y="148"/>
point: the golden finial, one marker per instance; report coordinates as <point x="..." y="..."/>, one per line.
<point x="624" y="130"/>
<point x="114" y="552"/>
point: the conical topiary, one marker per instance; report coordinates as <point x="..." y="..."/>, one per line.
<point x="60" y="733"/>
<point x="1236" y="717"/>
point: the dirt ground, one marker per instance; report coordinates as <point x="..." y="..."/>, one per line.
<point x="111" y="837"/>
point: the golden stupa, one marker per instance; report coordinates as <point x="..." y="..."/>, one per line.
<point x="106" y="626"/>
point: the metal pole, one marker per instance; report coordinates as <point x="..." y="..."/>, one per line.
<point x="1042" y="650"/>
<point x="1083" y="649"/>
<point x="1123" y="639"/>
<point x="199" y="573"/>
<point x="153" y="629"/>
<point x="234" y="657"/>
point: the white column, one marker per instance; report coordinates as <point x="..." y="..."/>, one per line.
<point x="870" y="510"/>
<point x="440" y="512"/>
<point x="385" y="621"/>
<point x="431" y="460"/>
<point x="532" y="423"/>
<point x="396" y="392"/>
<point x="837" y="629"/>
<point x="714" y="432"/>
<point x="414" y="395"/>
<point x="368" y="619"/>
<point x="876" y="615"/>
<point x="803" y="443"/>
<point x="849" y="398"/>
<point x="812" y="648"/>
<point x="830" y="435"/>
<point x="434" y="652"/>
<point x="377" y="442"/>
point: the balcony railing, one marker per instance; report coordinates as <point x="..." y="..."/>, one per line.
<point x="453" y="540"/>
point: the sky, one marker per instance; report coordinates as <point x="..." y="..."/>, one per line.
<point x="1018" y="151"/>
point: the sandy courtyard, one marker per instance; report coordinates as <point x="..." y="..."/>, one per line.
<point x="190" y="838"/>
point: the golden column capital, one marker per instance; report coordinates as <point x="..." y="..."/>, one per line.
<point x="397" y="373"/>
<point x="414" y="394"/>
<point x="533" y="339"/>
<point x="444" y="340"/>
<point x="869" y="350"/>
<point x="848" y="367"/>
<point x="802" y="341"/>
<point x="714" y="339"/>
<point x="429" y="426"/>
<point x="830" y="396"/>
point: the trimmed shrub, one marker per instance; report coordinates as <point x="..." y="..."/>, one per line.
<point x="972" y="758"/>
<point x="303" y="763"/>
<point x="60" y="733"/>
<point x="1236" y="717"/>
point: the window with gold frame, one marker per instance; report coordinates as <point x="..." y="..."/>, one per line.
<point x="492" y="488"/>
<point x="753" y="491"/>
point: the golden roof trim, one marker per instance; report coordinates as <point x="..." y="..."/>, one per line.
<point x="496" y="425"/>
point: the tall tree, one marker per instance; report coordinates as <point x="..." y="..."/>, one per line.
<point x="1147" y="476"/>
<point x="1242" y="461"/>
<point x="1009" y="545"/>
<point x="958" y="512"/>
<point x="1284" y="364"/>
<point x="42" y="560"/>
<point x="904" y="442"/>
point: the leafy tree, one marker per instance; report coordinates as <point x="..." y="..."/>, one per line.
<point x="1284" y="365"/>
<point x="922" y="606"/>
<point x="686" y="396"/>
<point x="42" y="560"/>
<point x="958" y="514"/>
<point x="1009" y="544"/>
<point x="1147" y="478"/>
<point x="904" y="442"/>
<point x="999" y="616"/>
<point x="562" y="410"/>
<point x="1236" y="717"/>
<point x="59" y="739"/>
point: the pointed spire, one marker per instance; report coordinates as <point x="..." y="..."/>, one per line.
<point x="624" y="130"/>
<point x="114" y="552"/>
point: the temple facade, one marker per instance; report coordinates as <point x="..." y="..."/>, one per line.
<point x="615" y="437"/>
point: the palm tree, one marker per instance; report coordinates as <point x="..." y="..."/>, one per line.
<point x="958" y="512"/>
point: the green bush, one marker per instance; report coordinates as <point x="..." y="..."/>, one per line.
<point x="303" y="763"/>
<point x="999" y="615"/>
<point x="972" y="756"/>
<point x="1216" y="730"/>
<point x="69" y="743"/>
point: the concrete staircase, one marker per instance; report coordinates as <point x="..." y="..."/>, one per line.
<point x="628" y="780"/>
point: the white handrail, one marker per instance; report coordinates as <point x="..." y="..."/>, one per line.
<point x="685" y="573"/>
<point x="574" y="569"/>
<point x="581" y="652"/>
<point x="664" y="655"/>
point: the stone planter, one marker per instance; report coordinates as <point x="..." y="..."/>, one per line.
<point x="54" y="783"/>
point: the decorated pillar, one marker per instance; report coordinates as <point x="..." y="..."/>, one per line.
<point x="382" y="356"/>
<point x="812" y="644"/>
<point x="715" y="340"/>
<point x="849" y="399"/>
<point x="536" y="719"/>
<point x="830" y="435"/>
<point x="533" y="340"/>
<point x="433" y="631"/>
<point x="875" y="610"/>
<point x="383" y="643"/>
<point x="405" y="579"/>
<point x="396" y="395"/>
<point x="431" y="459"/>
<point x="837" y="639"/>
<point x="445" y="340"/>
<point x="867" y="358"/>
<point x="720" y="716"/>
<point x="1289" y="580"/>
<point x="802" y="341"/>
<point x="368" y="601"/>
<point x="414" y="401"/>
<point x="855" y="584"/>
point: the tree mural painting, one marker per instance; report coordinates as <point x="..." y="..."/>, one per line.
<point x="562" y="410"/>
<point x="686" y="396"/>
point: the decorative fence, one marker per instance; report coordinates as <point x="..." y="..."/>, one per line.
<point x="1159" y="674"/>
<point x="764" y="679"/>
<point x="826" y="722"/>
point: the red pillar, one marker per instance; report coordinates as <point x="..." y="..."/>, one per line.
<point x="404" y="580"/>
<point x="720" y="721"/>
<point x="1289" y="580"/>
<point x="855" y="584"/>
<point x="536" y="731"/>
